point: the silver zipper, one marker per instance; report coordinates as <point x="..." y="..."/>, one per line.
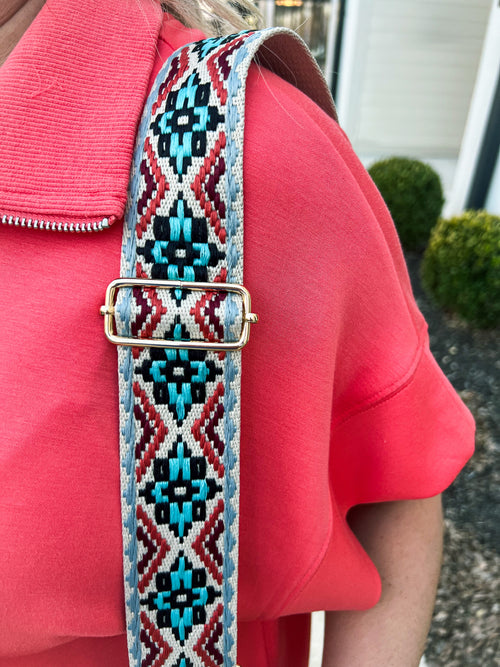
<point x="17" y="221"/>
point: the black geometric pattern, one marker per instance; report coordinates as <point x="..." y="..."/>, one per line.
<point x="180" y="490"/>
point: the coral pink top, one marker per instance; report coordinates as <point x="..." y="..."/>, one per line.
<point x="342" y="402"/>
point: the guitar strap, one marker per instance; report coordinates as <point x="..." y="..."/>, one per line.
<point x="179" y="315"/>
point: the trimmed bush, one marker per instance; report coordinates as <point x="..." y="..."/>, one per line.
<point x="413" y="193"/>
<point x="461" y="267"/>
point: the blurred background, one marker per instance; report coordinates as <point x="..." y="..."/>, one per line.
<point x="412" y="77"/>
<point x="419" y="79"/>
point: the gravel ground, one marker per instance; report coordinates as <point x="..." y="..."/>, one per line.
<point x="466" y="625"/>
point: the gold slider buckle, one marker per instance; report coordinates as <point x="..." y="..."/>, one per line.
<point x="108" y="310"/>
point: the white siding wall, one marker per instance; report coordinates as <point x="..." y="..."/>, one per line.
<point x="414" y="66"/>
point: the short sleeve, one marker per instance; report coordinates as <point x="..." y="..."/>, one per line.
<point x="398" y="429"/>
<point x="342" y="402"/>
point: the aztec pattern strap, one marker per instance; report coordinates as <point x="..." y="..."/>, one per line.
<point x="180" y="407"/>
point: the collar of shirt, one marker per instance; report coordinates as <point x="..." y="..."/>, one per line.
<point x="71" y="96"/>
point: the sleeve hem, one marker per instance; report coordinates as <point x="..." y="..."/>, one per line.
<point x="389" y="392"/>
<point x="409" y="444"/>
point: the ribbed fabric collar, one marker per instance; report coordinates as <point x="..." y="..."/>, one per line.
<point x="71" y="95"/>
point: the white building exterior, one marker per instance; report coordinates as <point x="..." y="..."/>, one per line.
<point x="483" y="111"/>
<point x="416" y="78"/>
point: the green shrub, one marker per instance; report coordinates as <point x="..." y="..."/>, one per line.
<point x="414" y="196"/>
<point x="461" y="266"/>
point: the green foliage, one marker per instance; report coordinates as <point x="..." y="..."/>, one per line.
<point x="461" y="266"/>
<point x="413" y="193"/>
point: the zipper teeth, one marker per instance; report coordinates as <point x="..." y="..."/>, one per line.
<point x="17" y="221"/>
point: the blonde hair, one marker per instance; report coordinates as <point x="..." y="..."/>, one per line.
<point x="214" y="17"/>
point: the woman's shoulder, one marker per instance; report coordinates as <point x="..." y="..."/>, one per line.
<point x="304" y="186"/>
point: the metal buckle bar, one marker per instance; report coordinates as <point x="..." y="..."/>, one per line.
<point x="108" y="310"/>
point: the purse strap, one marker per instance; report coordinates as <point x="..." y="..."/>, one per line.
<point x="179" y="315"/>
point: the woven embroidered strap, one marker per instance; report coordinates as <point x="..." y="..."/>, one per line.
<point x="180" y="407"/>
